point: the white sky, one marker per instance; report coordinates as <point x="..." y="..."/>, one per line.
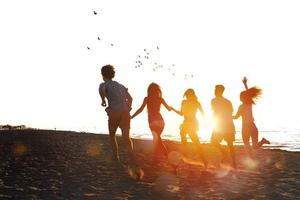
<point x="49" y="78"/>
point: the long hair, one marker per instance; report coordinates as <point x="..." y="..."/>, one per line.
<point x="154" y="96"/>
<point x="251" y="95"/>
<point x="190" y="95"/>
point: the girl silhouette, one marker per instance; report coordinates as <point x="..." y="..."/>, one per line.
<point x="153" y="101"/>
<point x="249" y="129"/>
<point x="190" y="126"/>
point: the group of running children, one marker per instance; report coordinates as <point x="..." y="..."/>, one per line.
<point x="119" y="106"/>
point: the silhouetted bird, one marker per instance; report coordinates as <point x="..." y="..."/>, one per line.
<point x="112" y="45"/>
<point x="88" y="48"/>
<point x="157" y="48"/>
<point x="95" y="13"/>
<point x="98" y="38"/>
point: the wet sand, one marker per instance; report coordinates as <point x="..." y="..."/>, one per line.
<point x="42" y="164"/>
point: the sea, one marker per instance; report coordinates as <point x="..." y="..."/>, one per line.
<point x="284" y="139"/>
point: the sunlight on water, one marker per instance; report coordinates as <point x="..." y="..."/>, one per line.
<point x="284" y="139"/>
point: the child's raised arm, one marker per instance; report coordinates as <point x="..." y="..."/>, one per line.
<point x="140" y="109"/>
<point x="245" y="82"/>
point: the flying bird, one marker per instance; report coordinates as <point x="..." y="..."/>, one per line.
<point x="88" y="48"/>
<point x="95" y="13"/>
<point x="98" y="38"/>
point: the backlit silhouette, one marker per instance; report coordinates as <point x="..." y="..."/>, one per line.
<point x="249" y="129"/>
<point x="190" y="126"/>
<point x="119" y="105"/>
<point x="153" y="101"/>
<point x="224" y="127"/>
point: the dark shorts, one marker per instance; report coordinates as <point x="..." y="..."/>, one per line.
<point x="118" y="119"/>
<point x="217" y="137"/>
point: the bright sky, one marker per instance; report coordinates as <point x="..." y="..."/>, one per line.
<point x="50" y="79"/>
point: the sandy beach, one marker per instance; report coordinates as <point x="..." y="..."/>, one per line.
<point x="42" y="164"/>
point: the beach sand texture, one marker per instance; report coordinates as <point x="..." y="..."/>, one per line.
<point x="42" y="164"/>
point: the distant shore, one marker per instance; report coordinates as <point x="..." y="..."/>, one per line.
<point x="47" y="164"/>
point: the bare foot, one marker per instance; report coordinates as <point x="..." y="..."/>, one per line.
<point x="265" y="141"/>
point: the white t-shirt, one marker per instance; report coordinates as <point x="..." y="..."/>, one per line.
<point x="116" y="94"/>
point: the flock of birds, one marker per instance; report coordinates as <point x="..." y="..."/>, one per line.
<point x="144" y="59"/>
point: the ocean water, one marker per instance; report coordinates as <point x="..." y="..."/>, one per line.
<point x="284" y="139"/>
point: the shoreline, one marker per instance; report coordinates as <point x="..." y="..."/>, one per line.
<point x="238" y="144"/>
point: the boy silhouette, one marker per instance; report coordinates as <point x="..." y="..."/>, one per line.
<point x="224" y="127"/>
<point x="119" y="106"/>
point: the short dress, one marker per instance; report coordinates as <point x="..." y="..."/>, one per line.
<point x="190" y="123"/>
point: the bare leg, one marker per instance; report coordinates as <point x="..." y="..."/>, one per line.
<point x="128" y="145"/>
<point x="196" y="141"/>
<point x="254" y="138"/>
<point x="232" y="153"/>
<point x="246" y="138"/>
<point x="114" y="143"/>
<point x="158" y="146"/>
<point x="161" y="146"/>
<point x="183" y="141"/>
<point x="215" y="141"/>
<point x="155" y="145"/>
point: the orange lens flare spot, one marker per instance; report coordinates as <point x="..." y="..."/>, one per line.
<point x="93" y="149"/>
<point x="135" y="172"/>
<point x="20" y="149"/>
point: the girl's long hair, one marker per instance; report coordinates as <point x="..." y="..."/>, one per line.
<point x="154" y="96"/>
<point x="190" y="95"/>
<point x="251" y="95"/>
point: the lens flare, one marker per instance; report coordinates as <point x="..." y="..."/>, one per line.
<point x="250" y="163"/>
<point x="135" y="172"/>
<point x="175" y="158"/>
<point x="93" y="149"/>
<point x="223" y="171"/>
<point x="19" y="149"/>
